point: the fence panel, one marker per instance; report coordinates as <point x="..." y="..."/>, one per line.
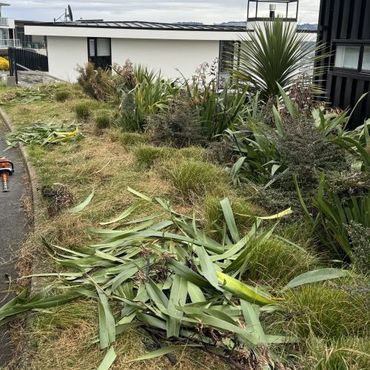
<point x="22" y="59"/>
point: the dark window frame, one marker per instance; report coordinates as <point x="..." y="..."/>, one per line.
<point x="104" y="62"/>
<point x="361" y="44"/>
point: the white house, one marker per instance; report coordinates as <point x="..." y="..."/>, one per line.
<point x="7" y="30"/>
<point x="167" y="47"/>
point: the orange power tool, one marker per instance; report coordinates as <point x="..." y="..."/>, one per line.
<point x="6" y="170"/>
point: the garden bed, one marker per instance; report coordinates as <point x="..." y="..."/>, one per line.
<point x="85" y="149"/>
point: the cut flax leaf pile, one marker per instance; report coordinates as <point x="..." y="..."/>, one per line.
<point x="44" y="134"/>
<point x="170" y="278"/>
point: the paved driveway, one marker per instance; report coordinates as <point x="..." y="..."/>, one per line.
<point x="13" y="228"/>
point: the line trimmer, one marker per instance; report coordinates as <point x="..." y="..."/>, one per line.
<point x="6" y="170"/>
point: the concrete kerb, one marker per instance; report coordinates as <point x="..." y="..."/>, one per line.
<point x="30" y="171"/>
<point x="35" y="200"/>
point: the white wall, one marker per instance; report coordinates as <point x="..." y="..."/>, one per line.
<point x="65" y="55"/>
<point x="166" y="55"/>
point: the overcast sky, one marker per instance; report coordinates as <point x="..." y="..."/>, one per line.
<point x="206" y="11"/>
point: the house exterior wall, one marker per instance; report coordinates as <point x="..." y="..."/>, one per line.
<point x="65" y="55"/>
<point x="168" y="56"/>
<point x="345" y="23"/>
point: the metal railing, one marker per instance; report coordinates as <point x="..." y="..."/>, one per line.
<point x="26" y="60"/>
<point x="10" y="43"/>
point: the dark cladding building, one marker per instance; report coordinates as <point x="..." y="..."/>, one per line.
<point x="344" y="26"/>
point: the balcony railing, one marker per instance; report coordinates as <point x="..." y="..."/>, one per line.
<point x="4" y="22"/>
<point x="10" y="43"/>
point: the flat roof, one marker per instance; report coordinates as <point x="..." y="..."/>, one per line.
<point x="140" y="25"/>
<point x="138" y="30"/>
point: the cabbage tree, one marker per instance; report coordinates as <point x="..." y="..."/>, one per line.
<point x="274" y="54"/>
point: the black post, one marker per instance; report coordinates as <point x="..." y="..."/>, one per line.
<point x="16" y="72"/>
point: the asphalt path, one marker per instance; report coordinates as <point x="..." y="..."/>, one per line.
<point x="13" y="230"/>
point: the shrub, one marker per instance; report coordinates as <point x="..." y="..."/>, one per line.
<point x="83" y="111"/>
<point x="330" y="310"/>
<point x="62" y="95"/>
<point x="192" y="177"/>
<point x="334" y="213"/>
<point x="4" y="64"/>
<point x="127" y="78"/>
<point x="359" y="236"/>
<point x="218" y="109"/>
<point x="96" y="83"/>
<point x="151" y="95"/>
<point x="178" y="126"/>
<point x="256" y="144"/>
<point x="306" y="153"/>
<point x="277" y="200"/>
<point x="147" y="155"/>
<point x="103" y="119"/>
<point x="277" y="262"/>
<point x="220" y="152"/>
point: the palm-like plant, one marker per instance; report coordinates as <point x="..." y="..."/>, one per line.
<point x="274" y="54"/>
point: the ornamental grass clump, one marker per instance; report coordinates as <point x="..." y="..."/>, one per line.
<point x="345" y="353"/>
<point x="103" y="119"/>
<point x="276" y="261"/>
<point x="62" y="95"/>
<point x="147" y="155"/>
<point x="195" y="178"/>
<point x="331" y="310"/>
<point x="244" y="213"/>
<point x="83" y="111"/>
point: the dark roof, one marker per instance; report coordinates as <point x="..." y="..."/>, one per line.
<point x="146" y="25"/>
<point x="26" y="22"/>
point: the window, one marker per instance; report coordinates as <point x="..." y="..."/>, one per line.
<point x="347" y="56"/>
<point x="99" y="52"/>
<point x="103" y="47"/>
<point x="92" y="47"/>
<point x="366" y="60"/>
